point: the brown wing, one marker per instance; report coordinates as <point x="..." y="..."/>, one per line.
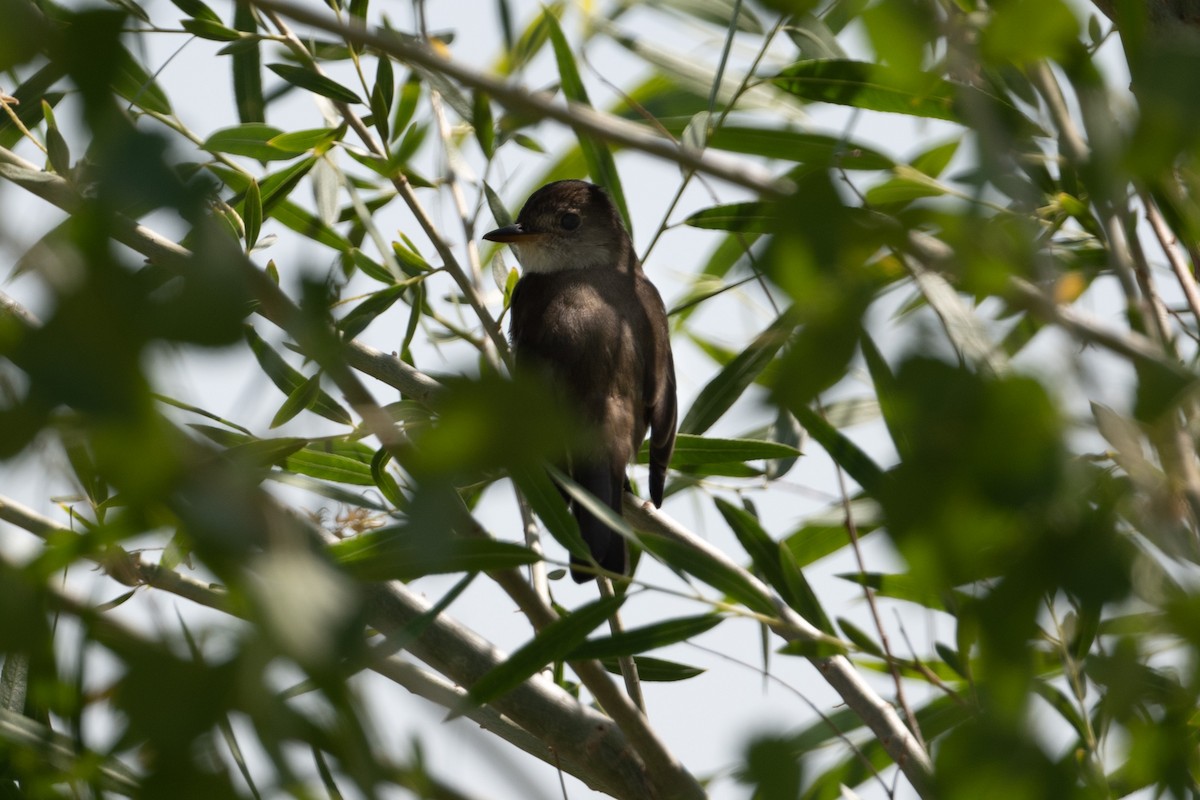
<point x="659" y="389"/>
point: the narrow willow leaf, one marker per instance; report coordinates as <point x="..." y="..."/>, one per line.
<point x="733" y="379"/>
<point x="252" y="214"/>
<point x="196" y="9"/>
<point x="384" y="481"/>
<point x="325" y="466"/>
<point x="800" y="594"/>
<point x="382" y="94"/>
<point x="287" y="378"/>
<point x="300" y="398"/>
<point x="757" y="543"/>
<point x="314" y="82"/>
<point x="530" y="42"/>
<point x="401" y="554"/>
<point x="848" y="455"/>
<point x="933" y="162"/>
<point x="601" y="165"/>
<point x="547" y="502"/>
<point x="551" y="644"/>
<point x="208" y="29"/>
<point x="331" y="491"/>
<point x="496" y="206"/>
<point x="899" y="586"/>
<point x="718" y="12"/>
<point x="786" y="431"/>
<point x="806" y="148"/>
<point x="649" y="637"/>
<point x="135" y="84"/>
<point x="316" y="140"/>
<point x="369" y="310"/>
<point x="727" y="579"/>
<point x="247" y="67"/>
<point x="749" y="218"/>
<point x="248" y="140"/>
<point x="693" y="451"/>
<point x="410" y="93"/>
<point x="278" y="185"/>
<point x="481" y="121"/>
<point x="32" y="98"/>
<point x="872" y="87"/>
<point x="859" y="637"/>
<point x="885" y="390"/>
<point x="1065" y="706"/>
<point x="965" y="330"/>
<point x="655" y="670"/>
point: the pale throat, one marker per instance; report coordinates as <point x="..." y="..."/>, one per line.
<point x="544" y="257"/>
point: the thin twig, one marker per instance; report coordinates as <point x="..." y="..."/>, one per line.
<point x="629" y="671"/>
<point x="869" y="593"/>
<point x="582" y="118"/>
<point x="1167" y="240"/>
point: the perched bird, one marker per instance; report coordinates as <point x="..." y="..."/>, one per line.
<point x="585" y="313"/>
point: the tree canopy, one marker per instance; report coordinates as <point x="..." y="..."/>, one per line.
<point x="981" y="339"/>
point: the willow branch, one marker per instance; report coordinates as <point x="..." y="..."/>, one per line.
<point x="581" y="118"/>
<point x="875" y="712"/>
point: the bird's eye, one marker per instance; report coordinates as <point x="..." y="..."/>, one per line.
<point x="569" y="221"/>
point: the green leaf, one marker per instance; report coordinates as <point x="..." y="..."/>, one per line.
<point x="844" y="452"/>
<point x="196" y="9"/>
<point x="859" y="637"/>
<point x="933" y="162"/>
<point x="752" y="217"/>
<point x="288" y="379"/>
<point x="551" y="644"/>
<point x="547" y="502"/>
<point x="32" y="97"/>
<point x="369" y="310"/>
<point x="718" y="12"/>
<point x="655" y="670"/>
<point x="252" y="214"/>
<point x="801" y="596"/>
<point x="530" y="43"/>
<point x="649" y="637"/>
<point x="316" y="140"/>
<point x="901" y="587"/>
<point x="210" y="29"/>
<point x="410" y="93"/>
<point x="250" y="140"/>
<point x="399" y="553"/>
<point x="826" y="533"/>
<point x="496" y="206"/>
<point x="301" y="398"/>
<point x="136" y="85"/>
<point x="873" y="87"/>
<point x="317" y="463"/>
<point x="599" y="158"/>
<point x="693" y="451"/>
<point x="722" y="577"/>
<point x="384" y="481"/>
<point x="762" y="549"/>
<point x="247" y="67"/>
<point x="811" y="149"/>
<point x="729" y="384"/>
<point x="314" y="82"/>
<point x="482" y="123"/>
<point x="904" y="188"/>
<point x="382" y="94"/>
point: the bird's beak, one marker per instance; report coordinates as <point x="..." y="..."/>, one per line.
<point x="511" y="234"/>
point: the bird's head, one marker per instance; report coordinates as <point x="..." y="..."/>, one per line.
<point x="567" y="225"/>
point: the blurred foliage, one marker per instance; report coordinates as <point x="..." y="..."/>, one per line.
<point x="997" y="302"/>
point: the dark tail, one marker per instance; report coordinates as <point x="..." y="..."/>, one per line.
<point x="606" y="545"/>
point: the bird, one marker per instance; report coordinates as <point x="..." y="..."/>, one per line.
<point x="585" y="314"/>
